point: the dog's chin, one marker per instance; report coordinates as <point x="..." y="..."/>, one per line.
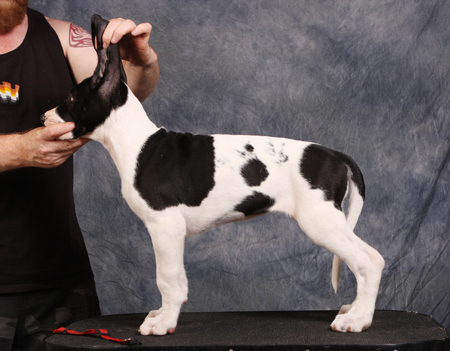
<point x="67" y="136"/>
<point x="51" y="118"/>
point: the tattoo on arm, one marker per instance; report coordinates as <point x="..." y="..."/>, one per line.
<point x="78" y="37"/>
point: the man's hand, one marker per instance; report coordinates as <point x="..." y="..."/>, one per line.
<point x="140" y="61"/>
<point x="39" y="147"/>
<point x="133" y="40"/>
<point x="42" y="148"/>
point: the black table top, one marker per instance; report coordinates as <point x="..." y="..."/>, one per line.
<point x="391" y="330"/>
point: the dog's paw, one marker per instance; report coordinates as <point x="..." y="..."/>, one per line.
<point x="351" y="323"/>
<point x="154" y="313"/>
<point x="157" y="325"/>
<point x="344" y="309"/>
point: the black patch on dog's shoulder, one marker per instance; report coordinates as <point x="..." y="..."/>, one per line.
<point x="249" y="148"/>
<point x="254" y="172"/>
<point x="255" y="204"/>
<point x="175" y="168"/>
<point x="327" y="170"/>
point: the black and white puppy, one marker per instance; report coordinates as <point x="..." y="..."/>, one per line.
<point x="181" y="184"/>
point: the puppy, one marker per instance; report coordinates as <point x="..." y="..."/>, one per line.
<point x="181" y="184"/>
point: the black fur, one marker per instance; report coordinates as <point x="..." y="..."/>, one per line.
<point x="87" y="112"/>
<point x="249" y="148"/>
<point x="255" y="204"/>
<point x="282" y="158"/>
<point x="98" y="26"/>
<point x="254" y="172"/>
<point x="175" y="168"/>
<point x="327" y="170"/>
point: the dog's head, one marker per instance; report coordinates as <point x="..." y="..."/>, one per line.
<point x="91" y="102"/>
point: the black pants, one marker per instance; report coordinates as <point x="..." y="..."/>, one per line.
<point x="26" y="318"/>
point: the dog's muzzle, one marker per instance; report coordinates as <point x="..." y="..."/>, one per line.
<point x="51" y="117"/>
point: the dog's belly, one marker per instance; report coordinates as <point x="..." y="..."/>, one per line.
<point x="197" y="222"/>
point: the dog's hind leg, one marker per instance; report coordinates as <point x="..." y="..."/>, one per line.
<point x="168" y="235"/>
<point x="327" y="227"/>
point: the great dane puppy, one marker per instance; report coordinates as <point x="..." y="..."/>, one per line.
<point x="181" y="184"/>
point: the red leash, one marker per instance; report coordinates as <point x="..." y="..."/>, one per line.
<point x="102" y="333"/>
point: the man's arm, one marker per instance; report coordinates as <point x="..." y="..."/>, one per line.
<point x="38" y="148"/>
<point x="139" y="59"/>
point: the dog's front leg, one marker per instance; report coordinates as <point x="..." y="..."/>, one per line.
<point x="168" y="236"/>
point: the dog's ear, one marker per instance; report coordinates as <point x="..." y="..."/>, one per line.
<point x="98" y="26"/>
<point x="108" y="56"/>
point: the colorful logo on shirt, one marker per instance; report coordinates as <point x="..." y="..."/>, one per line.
<point x="9" y="95"/>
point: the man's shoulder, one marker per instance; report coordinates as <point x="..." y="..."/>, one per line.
<point x="77" y="46"/>
<point x="62" y="30"/>
<point x="57" y="24"/>
<point x="70" y="34"/>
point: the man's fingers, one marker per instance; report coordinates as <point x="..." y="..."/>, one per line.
<point x="66" y="147"/>
<point x="116" y="29"/>
<point x="74" y="145"/>
<point x="54" y="131"/>
<point x="142" y="29"/>
<point x="40" y="147"/>
<point x="119" y="27"/>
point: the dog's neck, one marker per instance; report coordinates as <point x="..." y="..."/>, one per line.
<point x="123" y="134"/>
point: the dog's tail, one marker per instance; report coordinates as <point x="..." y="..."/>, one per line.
<point x="356" y="195"/>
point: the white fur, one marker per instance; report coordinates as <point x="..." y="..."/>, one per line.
<point x="123" y="134"/>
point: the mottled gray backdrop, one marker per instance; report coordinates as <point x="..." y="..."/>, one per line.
<point x="369" y="78"/>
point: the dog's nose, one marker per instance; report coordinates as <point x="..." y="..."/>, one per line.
<point x="43" y="118"/>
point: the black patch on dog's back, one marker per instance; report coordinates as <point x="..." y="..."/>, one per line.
<point x="327" y="170"/>
<point x="254" y="172"/>
<point x="175" y="168"/>
<point x="255" y="204"/>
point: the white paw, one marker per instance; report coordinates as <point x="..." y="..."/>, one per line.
<point x="154" y="313"/>
<point x="344" y="309"/>
<point x="351" y="322"/>
<point x="160" y="324"/>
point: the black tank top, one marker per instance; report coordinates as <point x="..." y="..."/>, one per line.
<point x="41" y="245"/>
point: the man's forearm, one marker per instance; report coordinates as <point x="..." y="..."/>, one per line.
<point x="142" y="79"/>
<point x="9" y="153"/>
